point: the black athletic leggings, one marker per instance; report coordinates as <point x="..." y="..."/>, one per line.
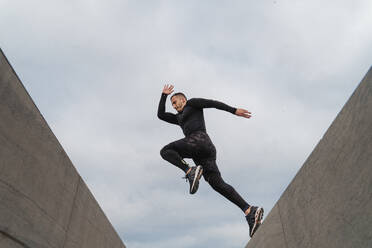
<point x="200" y="148"/>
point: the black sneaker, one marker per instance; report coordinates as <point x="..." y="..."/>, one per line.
<point x="193" y="177"/>
<point x="254" y="219"/>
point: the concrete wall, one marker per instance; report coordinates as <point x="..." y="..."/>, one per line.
<point x="43" y="200"/>
<point x="329" y="202"/>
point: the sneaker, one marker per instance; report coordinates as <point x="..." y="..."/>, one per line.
<point x="193" y="177"/>
<point x="254" y="219"/>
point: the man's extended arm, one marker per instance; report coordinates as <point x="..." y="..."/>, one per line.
<point x="206" y="103"/>
<point x="165" y="116"/>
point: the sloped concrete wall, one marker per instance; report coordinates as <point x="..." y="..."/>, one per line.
<point x="43" y="200"/>
<point x="329" y="202"/>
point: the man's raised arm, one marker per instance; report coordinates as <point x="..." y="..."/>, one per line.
<point x="162" y="115"/>
<point x="207" y="103"/>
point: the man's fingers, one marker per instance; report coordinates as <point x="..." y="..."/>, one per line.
<point x="244" y="113"/>
<point x="168" y="87"/>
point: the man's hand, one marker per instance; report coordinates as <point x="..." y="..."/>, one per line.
<point x="243" y="113"/>
<point x="168" y="89"/>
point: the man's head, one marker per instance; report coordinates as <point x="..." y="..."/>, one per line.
<point x="178" y="101"/>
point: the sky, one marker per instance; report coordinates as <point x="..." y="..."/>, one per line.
<point x="96" y="70"/>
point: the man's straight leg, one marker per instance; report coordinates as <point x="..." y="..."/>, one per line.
<point x="253" y="214"/>
<point x="213" y="176"/>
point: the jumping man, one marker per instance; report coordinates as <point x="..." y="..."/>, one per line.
<point x="198" y="146"/>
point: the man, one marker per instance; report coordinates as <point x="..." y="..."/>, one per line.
<point x="198" y="146"/>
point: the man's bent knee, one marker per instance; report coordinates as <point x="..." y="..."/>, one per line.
<point x="163" y="152"/>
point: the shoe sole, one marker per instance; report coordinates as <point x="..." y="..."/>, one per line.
<point x="199" y="173"/>
<point x="257" y="220"/>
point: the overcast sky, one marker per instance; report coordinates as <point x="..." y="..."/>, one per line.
<point x="96" y="69"/>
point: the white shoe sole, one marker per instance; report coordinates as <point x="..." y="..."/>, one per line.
<point x="198" y="173"/>
<point x="257" y="220"/>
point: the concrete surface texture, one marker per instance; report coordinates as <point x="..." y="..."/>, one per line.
<point x="329" y="202"/>
<point x="43" y="200"/>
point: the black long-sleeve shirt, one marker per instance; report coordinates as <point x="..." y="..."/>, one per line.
<point x="191" y="118"/>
